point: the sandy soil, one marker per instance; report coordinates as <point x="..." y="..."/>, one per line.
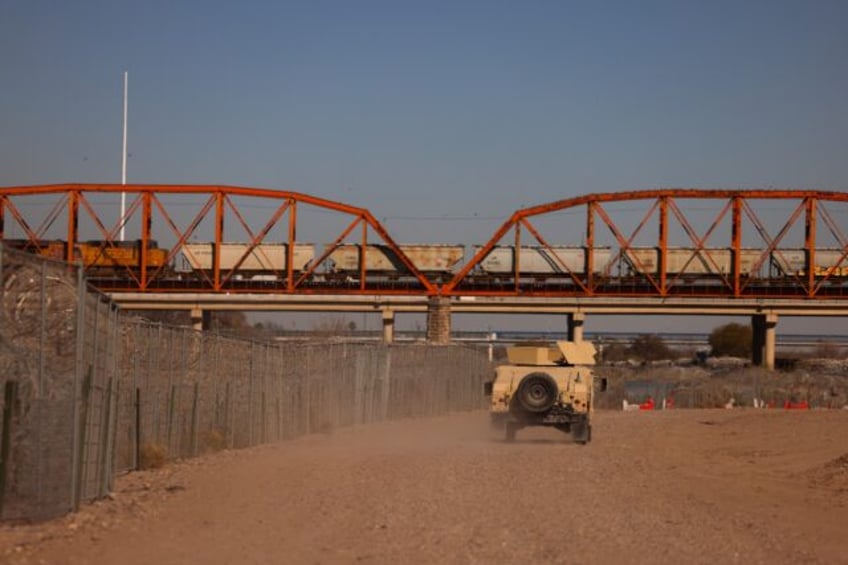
<point x="686" y="486"/>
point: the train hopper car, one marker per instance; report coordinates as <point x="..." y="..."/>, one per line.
<point x="830" y="262"/>
<point x="266" y="260"/>
<point x="690" y="262"/>
<point x="542" y="261"/>
<point x="380" y="259"/>
<point x="793" y="262"/>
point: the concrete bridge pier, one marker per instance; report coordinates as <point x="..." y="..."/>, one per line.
<point x="200" y="319"/>
<point x="764" y="339"/>
<point x="388" y="325"/>
<point x="439" y="320"/>
<point x="575" y="326"/>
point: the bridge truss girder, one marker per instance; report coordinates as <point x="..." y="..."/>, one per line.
<point x="663" y="206"/>
<point x="146" y="200"/>
<point x="734" y="207"/>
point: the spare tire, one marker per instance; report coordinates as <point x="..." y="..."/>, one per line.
<point x="537" y="392"/>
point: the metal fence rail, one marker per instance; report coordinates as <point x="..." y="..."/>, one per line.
<point x="87" y="392"/>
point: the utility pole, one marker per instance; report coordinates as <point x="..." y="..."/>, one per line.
<point x="124" y="160"/>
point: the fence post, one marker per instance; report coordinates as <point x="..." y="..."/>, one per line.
<point x="279" y="418"/>
<point x="202" y="361"/>
<point x="250" y="397"/>
<point x="113" y="435"/>
<point x="137" y="451"/>
<point x="264" y="438"/>
<point x="282" y="413"/>
<point x="308" y="401"/>
<point x="2" y="287"/>
<point x="78" y="371"/>
<point x="358" y="404"/>
<point x="386" y="384"/>
<point x="40" y="393"/>
<point x="104" y="438"/>
<point x="222" y="418"/>
<point x="95" y="356"/>
<point x="171" y="408"/>
<point x="137" y="392"/>
<point x="80" y="449"/>
<point x="10" y="397"/>
<point x="42" y="337"/>
<point x="116" y="395"/>
<point x="228" y="421"/>
<point x="157" y="417"/>
<point x="194" y="420"/>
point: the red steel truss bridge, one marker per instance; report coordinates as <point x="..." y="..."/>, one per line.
<point x="648" y="244"/>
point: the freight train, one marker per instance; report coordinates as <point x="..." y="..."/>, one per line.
<point x="438" y="262"/>
<point x="270" y="261"/>
<point x="687" y="263"/>
<point x="264" y="262"/>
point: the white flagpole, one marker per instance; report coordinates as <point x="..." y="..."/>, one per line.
<point x="124" y="160"/>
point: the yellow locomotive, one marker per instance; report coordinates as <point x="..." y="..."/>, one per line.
<point x="98" y="256"/>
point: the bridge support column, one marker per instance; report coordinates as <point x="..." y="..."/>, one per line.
<point x="388" y="326"/>
<point x="764" y="339"/>
<point x="439" y="320"/>
<point x="200" y="319"/>
<point x="575" y="326"/>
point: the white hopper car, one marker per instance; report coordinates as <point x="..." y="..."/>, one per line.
<point x="539" y="261"/>
<point x="264" y="260"/>
<point x="380" y="259"/>
<point x="690" y="262"/>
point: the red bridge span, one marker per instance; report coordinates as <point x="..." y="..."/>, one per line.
<point x="762" y="253"/>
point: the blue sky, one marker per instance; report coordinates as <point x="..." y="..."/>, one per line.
<point x="435" y="115"/>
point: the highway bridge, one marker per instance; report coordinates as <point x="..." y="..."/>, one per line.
<point x="688" y="340"/>
<point x="759" y="253"/>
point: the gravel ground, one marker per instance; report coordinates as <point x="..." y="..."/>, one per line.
<point x="685" y="486"/>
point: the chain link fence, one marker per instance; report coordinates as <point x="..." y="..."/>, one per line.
<point x="87" y="392"/>
<point x="184" y="393"/>
<point x="40" y="346"/>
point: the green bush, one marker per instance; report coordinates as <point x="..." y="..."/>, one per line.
<point x="731" y="340"/>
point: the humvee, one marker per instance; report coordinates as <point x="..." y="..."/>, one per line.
<point x="545" y="386"/>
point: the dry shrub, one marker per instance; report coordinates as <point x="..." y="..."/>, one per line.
<point x="331" y="327"/>
<point x="153" y="456"/>
<point x="212" y="440"/>
<point x="614" y="352"/>
<point x="715" y="395"/>
<point x="705" y="387"/>
<point x="827" y="350"/>
<point x="650" y="348"/>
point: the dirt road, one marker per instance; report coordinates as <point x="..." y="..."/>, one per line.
<point x="667" y="487"/>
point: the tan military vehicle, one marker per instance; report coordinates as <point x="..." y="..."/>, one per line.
<point x="546" y="386"/>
